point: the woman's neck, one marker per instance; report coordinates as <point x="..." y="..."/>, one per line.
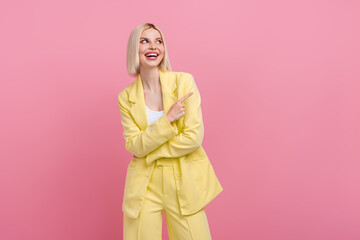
<point x="150" y="78"/>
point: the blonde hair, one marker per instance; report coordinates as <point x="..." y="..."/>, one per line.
<point x="132" y="56"/>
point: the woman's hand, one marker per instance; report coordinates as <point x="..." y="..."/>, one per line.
<point x="177" y="110"/>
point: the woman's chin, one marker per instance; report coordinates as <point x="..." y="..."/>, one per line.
<point x="151" y="65"/>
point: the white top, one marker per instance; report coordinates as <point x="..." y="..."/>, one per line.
<point x="153" y="115"/>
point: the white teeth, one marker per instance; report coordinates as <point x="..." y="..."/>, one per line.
<point x="151" y="55"/>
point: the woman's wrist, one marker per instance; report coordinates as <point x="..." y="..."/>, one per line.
<point x="170" y="120"/>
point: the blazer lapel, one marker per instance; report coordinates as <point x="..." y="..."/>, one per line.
<point x="136" y="96"/>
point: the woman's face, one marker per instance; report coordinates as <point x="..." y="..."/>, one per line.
<point x="150" y="42"/>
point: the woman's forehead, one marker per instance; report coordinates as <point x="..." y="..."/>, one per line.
<point x="151" y="33"/>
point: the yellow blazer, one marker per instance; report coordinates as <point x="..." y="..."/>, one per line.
<point x="196" y="182"/>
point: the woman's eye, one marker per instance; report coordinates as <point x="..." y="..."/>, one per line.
<point x="146" y="40"/>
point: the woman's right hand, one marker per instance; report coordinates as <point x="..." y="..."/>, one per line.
<point x="177" y="110"/>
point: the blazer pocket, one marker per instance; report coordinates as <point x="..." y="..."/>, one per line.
<point x="135" y="161"/>
<point x="136" y="175"/>
<point x="187" y="160"/>
<point x="196" y="173"/>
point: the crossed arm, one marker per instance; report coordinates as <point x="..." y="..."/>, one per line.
<point x="160" y="139"/>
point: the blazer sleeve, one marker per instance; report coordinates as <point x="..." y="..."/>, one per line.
<point x="141" y="142"/>
<point x="191" y="137"/>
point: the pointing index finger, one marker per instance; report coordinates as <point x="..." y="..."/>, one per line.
<point x="185" y="97"/>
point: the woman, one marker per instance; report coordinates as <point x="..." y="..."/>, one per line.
<point x="163" y="129"/>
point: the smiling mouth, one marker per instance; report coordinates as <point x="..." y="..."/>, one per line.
<point x="152" y="56"/>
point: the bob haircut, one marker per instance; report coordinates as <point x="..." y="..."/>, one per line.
<point x="132" y="56"/>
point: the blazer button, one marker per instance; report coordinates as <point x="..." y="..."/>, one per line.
<point x="178" y="174"/>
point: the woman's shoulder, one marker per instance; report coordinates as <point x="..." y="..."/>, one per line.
<point x="183" y="78"/>
<point x="127" y="88"/>
<point x="124" y="94"/>
<point x="182" y="75"/>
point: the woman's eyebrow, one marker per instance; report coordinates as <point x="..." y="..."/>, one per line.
<point x="147" y="38"/>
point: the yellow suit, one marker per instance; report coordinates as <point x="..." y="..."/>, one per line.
<point x="196" y="182"/>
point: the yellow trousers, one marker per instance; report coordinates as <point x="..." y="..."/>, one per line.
<point x="161" y="196"/>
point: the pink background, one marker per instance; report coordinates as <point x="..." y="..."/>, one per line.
<point x="279" y="81"/>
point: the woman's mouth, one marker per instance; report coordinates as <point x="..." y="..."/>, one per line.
<point x="151" y="56"/>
